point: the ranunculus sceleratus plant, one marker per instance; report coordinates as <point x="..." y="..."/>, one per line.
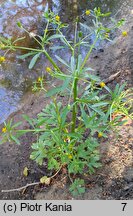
<point x="67" y="135"/>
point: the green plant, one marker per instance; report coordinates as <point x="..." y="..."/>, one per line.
<point x="66" y="132"/>
<point x="38" y="85"/>
<point x="77" y="187"/>
<point x="9" y="132"/>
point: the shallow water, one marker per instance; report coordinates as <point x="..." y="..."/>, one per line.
<point x="15" y="78"/>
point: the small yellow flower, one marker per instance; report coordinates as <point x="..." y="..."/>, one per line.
<point x="4" y="129"/>
<point x="39" y="79"/>
<point x="100" y="134"/>
<point x="2" y="59"/>
<point x="87" y="12"/>
<point x="57" y="18"/>
<point x="102" y="84"/>
<point x="48" y="69"/>
<point x="124" y="33"/>
<point x="70" y="156"/>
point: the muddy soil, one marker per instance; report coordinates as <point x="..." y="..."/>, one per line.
<point x="114" y="180"/>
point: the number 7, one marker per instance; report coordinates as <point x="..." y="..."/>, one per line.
<point x="124" y="205"/>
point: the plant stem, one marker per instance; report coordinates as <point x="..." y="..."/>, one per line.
<point x="57" y="112"/>
<point x="88" y="54"/>
<point x="65" y="40"/>
<point x="22" y="48"/>
<point x="51" y="60"/>
<point x="32" y="37"/>
<point x="75" y="39"/>
<point x="21" y="188"/>
<point x="28" y="185"/>
<point x="38" y="50"/>
<point x="75" y="105"/>
<point x="75" y="93"/>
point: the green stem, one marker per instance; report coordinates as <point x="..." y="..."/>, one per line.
<point x="45" y="31"/>
<point x="77" y="44"/>
<point x="65" y="40"/>
<point x="23" y="48"/>
<point x="75" y="105"/>
<point x="57" y="112"/>
<point x="75" y="93"/>
<point x="51" y="61"/>
<point x="33" y="37"/>
<point x="75" y="39"/>
<point x="37" y="50"/>
<point x="88" y="54"/>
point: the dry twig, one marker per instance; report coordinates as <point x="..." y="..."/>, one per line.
<point x="28" y="185"/>
<point x="21" y="188"/>
<point x="111" y="78"/>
